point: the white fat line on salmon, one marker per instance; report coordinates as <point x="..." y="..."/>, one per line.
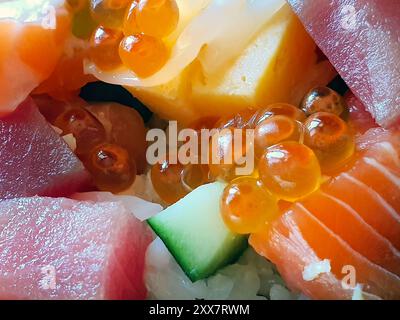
<point x="373" y="194"/>
<point x="390" y="176"/>
<point x="355" y="214"/>
<point x="161" y="310"/>
<point x="390" y="151"/>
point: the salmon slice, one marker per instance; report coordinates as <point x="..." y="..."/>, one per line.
<point x="352" y="220"/>
<point x="367" y="203"/>
<point x="284" y="244"/>
<point x="30" y="46"/>
<point x="345" y="222"/>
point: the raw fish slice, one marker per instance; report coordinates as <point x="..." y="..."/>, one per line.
<point x="283" y="240"/>
<point x="362" y="40"/>
<point x="327" y="245"/>
<point x="32" y="40"/>
<point x="370" y="205"/>
<point x="359" y="118"/>
<point x="67" y="249"/>
<point x="345" y="222"/>
<point x="34" y="159"/>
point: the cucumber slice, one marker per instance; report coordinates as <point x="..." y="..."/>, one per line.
<point x="195" y="234"/>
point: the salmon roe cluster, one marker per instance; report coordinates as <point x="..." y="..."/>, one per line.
<point x="293" y="148"/>
<point x="103" y="135"/>
<point x="126" y="33"/>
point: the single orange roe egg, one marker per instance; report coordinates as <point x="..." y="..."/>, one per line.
<point x="290" y="170"/>
<point x="156" y="18"/>
<point x="195" y="175"/>
<point x="104" y="48"/>
<point x="86" y="129"/>
<point x="323" y="99"/>
<point x="166" y="178"/>
<point x="330" y="138"/>
<point x="246" y="206"/>
<point x="276" y="129"/>
<point x="109" y="13"/>
<point x="282" y="109"/>
<point x="111" y="167"/>
<point x="143" y="54"/>
<point x="227" y="149"/>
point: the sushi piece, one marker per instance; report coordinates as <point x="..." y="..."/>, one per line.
<point x="353" y="220"/>
<point x="29" y="31"/>
<point x="34" y="159"/>
<point x="68" y="249"/>
<point x="361" y="39"/>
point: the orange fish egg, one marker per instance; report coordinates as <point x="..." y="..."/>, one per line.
<point x="330" y="138"/>
<point x="143" y="54"/>
<point x="111" y="167"/>
<point x="280" y="109"/>
<point x="227" y="149"/>
<point x="246" y="206"/>
<point x="290" y="170"/>
<point x="166" y="178"/>
<point x="156" y="18"/>
<point x="104" y="48"/>
<point x="109" y="13"/>
<point x="276" y="129"/>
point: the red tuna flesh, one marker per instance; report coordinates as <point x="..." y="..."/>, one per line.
<point x="67" y="249"/>
<point x="359" y="118"/>
<point x="34" y="159"/>
<point x="362" y="40"/>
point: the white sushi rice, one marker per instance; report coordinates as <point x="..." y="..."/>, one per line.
<point x="313" y="270"/>
<point x="251" y="278"/>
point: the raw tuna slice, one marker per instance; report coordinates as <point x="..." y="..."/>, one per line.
<point x="67" y="249"/>
<point x="34" y="160"/>
<point x="362" y="40"/>
<point x="359" y="118"/>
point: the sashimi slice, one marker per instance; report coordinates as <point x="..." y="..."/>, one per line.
<point x="367" y="203"/>
<point x="344" y="221"/>
<point x="353" y="220"/>
<point x="34" y="160"/>
<point x="284" y="239"/>
<point x="362" y="40"/>
<point x="32" y="37"/>
<point x="360" y="120"/>
<point x="67" y="249"/>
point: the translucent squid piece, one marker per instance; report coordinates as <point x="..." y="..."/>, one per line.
<point x="32" y="36"/>
<point x="246" y="206"/>
<point x="362" y="40"/>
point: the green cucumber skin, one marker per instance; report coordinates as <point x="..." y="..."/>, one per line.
<point x="196" y="273"/>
